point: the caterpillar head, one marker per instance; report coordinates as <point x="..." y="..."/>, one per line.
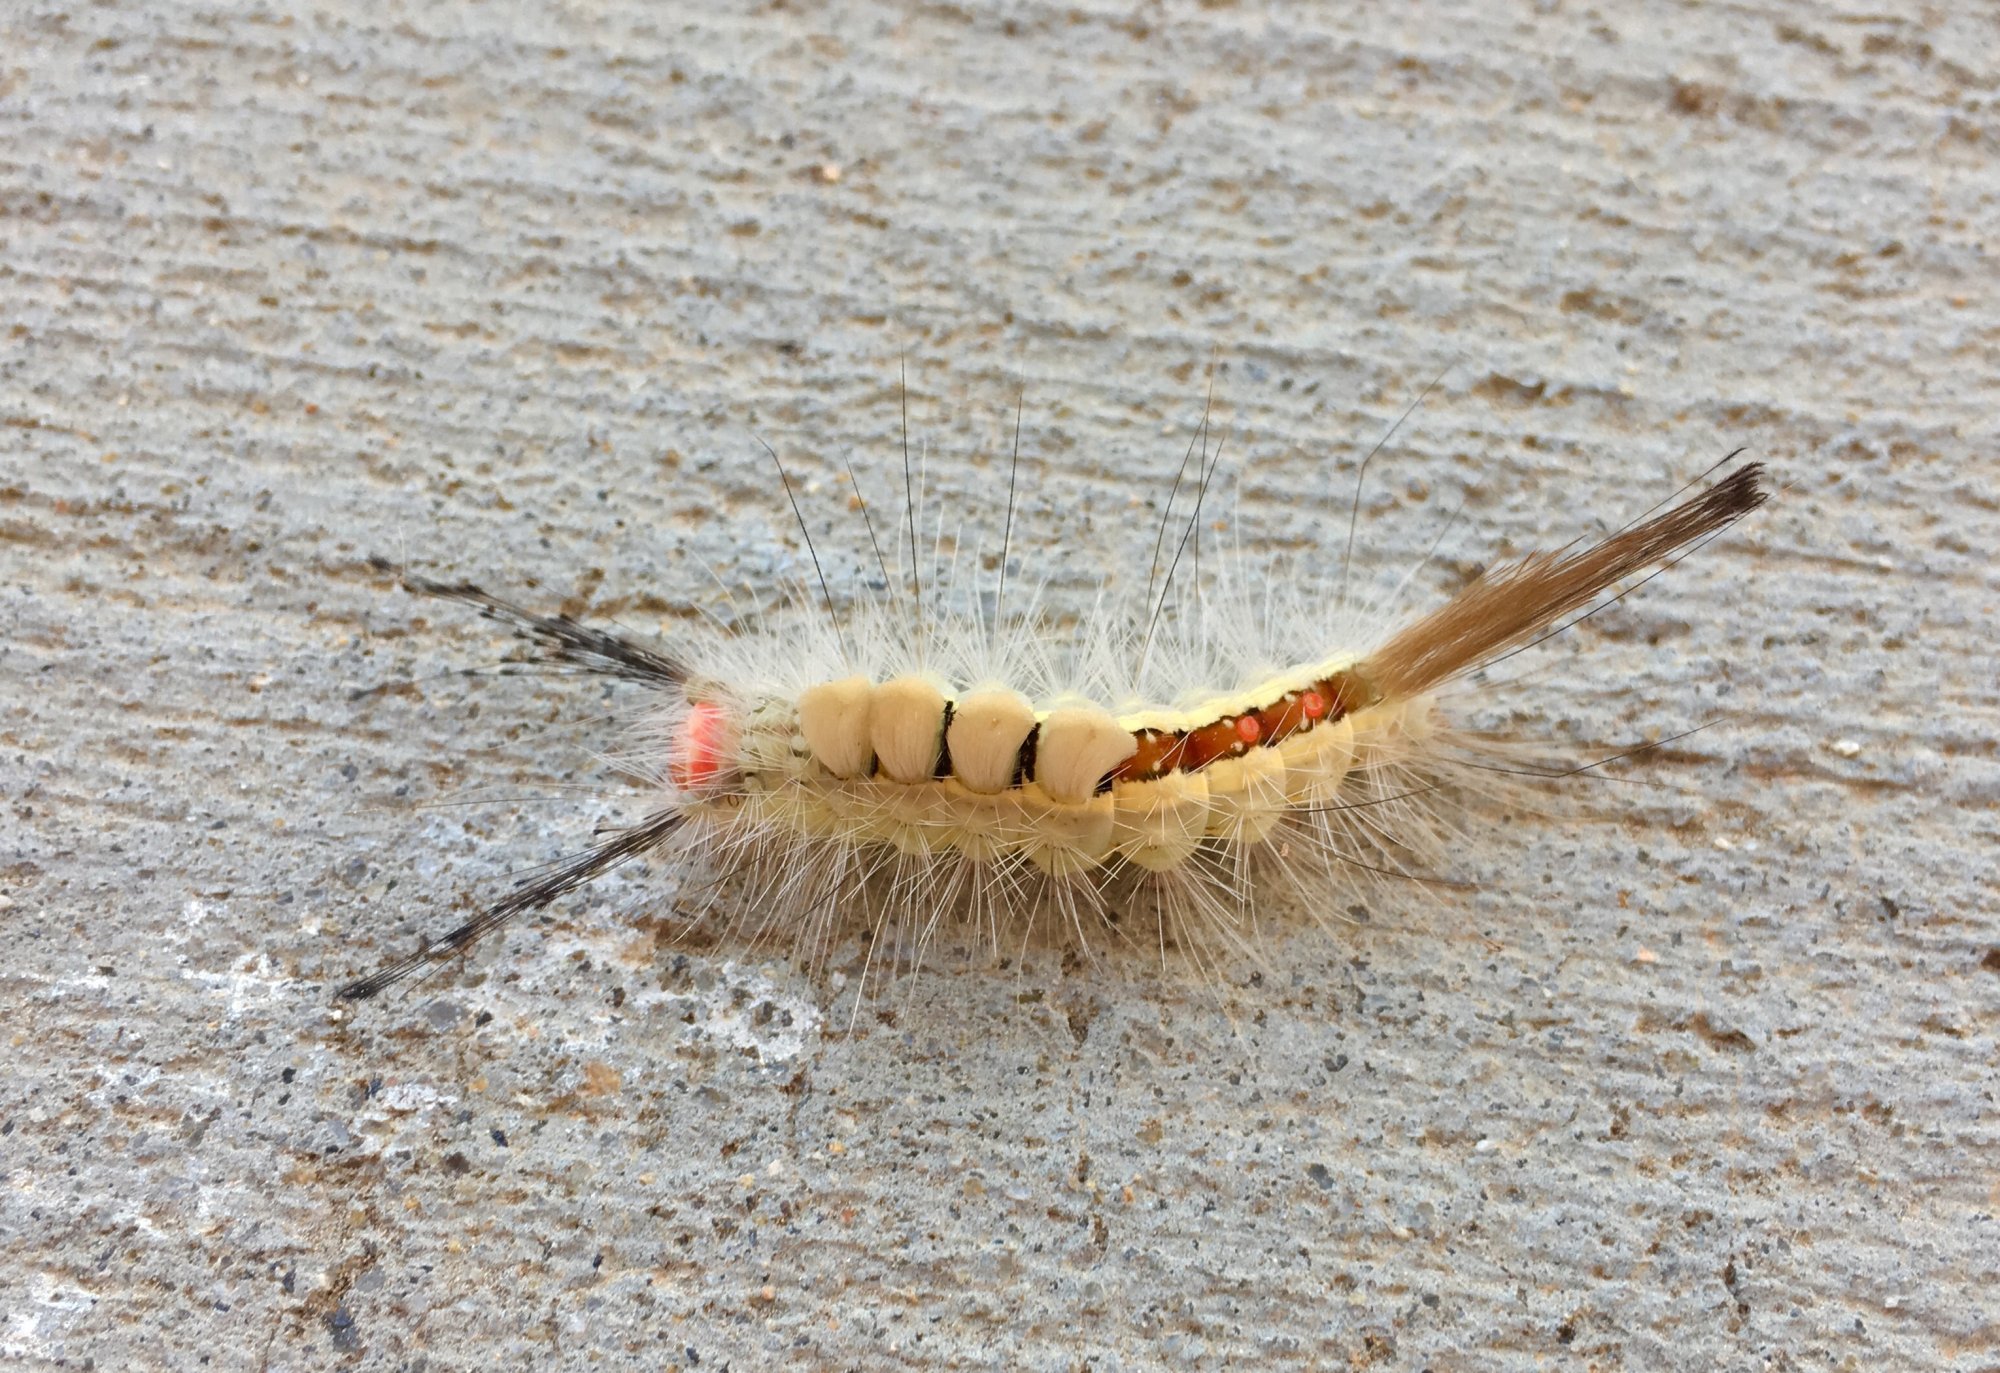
<point x="702" y="752"/>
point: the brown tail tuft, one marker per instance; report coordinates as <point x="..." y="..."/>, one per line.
<point x="1508" y="606"/>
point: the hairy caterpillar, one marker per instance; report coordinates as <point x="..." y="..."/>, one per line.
<point x="928" y="762"/>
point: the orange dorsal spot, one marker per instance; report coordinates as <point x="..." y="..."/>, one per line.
<point x="1159" y="753"/>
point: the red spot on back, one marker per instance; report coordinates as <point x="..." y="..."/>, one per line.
<point x="1314" y="704"/>
<point x="1248" y="728"/>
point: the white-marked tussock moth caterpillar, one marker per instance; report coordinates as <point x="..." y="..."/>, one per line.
<point x="936" y="756"/>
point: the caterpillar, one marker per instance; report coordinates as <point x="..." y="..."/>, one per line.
<point x="924" y="761"/>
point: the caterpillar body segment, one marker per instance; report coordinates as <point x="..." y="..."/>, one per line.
<point x="987" y="731"/>
<point x="998" y="788"/>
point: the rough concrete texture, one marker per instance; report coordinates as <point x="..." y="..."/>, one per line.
<point x="1703" y="1078"/>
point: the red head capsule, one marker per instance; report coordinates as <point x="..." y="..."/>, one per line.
<point x="699" y="750"/>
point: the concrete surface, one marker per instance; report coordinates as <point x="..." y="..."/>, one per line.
<point x="1703" y="1079"/>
